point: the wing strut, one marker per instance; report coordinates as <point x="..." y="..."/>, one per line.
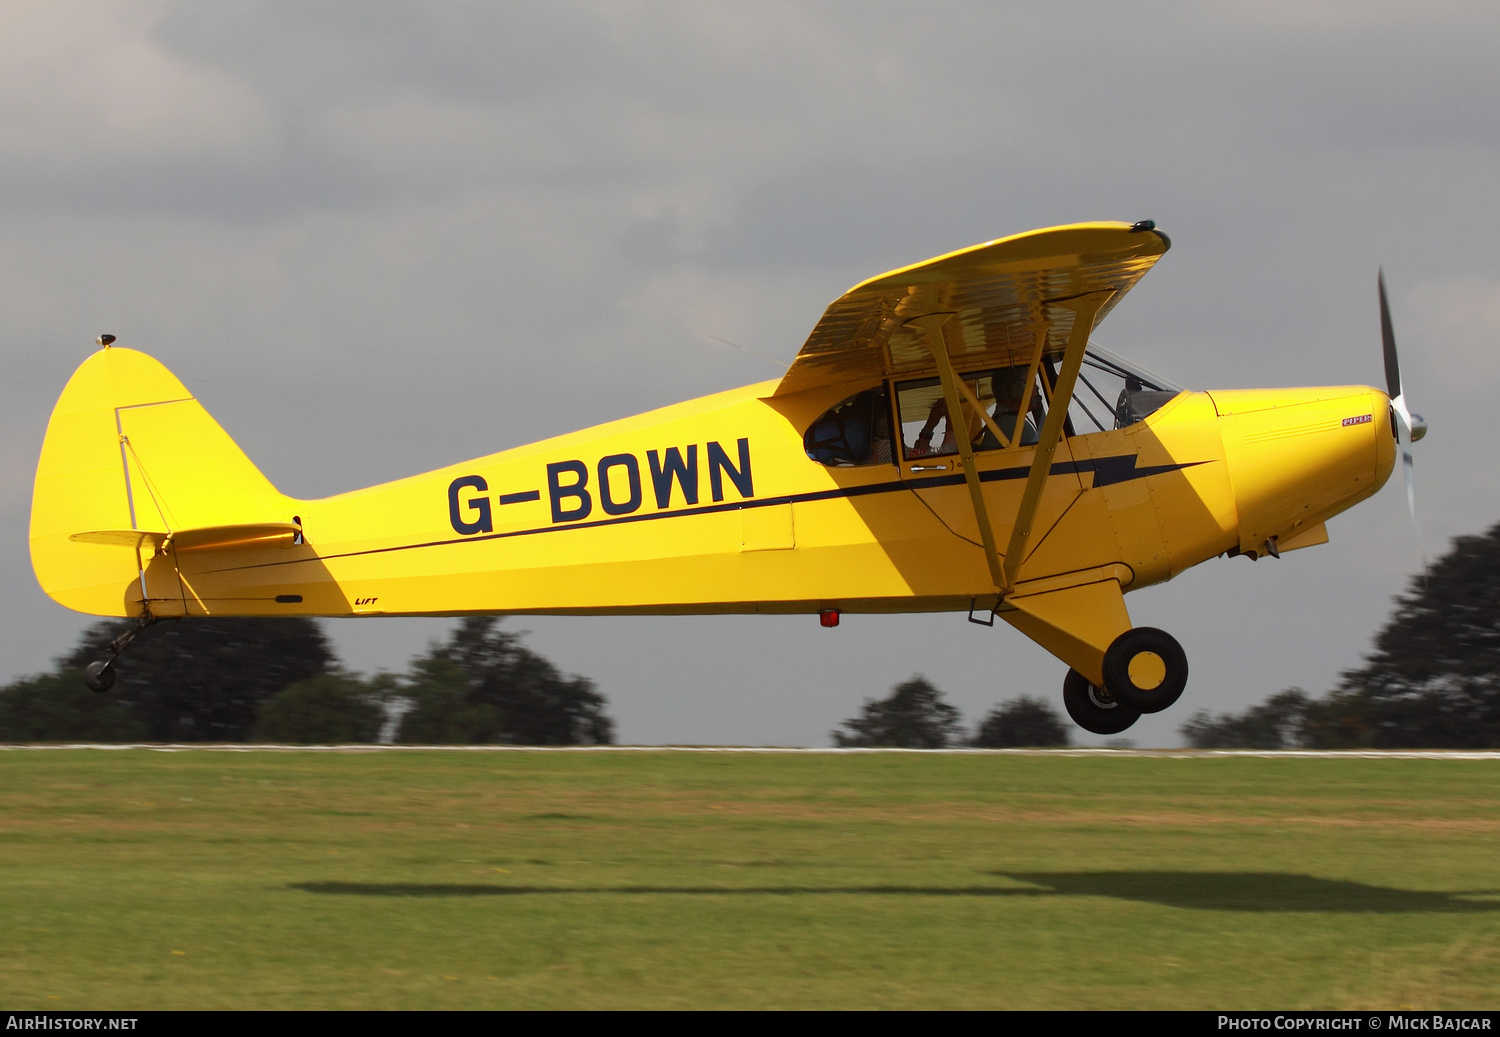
<point x="1085" y="309"/>
<point x="943" y="335"/>
<point x="944" y="332"/>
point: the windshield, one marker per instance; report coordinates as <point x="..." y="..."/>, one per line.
<point x="1114" y="392"/>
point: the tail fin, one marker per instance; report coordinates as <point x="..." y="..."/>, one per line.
<point x="131" y="459"/>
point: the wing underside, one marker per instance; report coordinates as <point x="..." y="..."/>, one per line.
<point x="1005" y="296"/>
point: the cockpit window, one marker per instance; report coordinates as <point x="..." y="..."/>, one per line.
<point x="1001" y="394"/>
<point x="1111" y="393"/>
<point x="856" y="432"/>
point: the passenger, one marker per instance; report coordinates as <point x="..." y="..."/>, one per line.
<point x="856" y="432"/>
<point x="923" y="445"/>
<point x="880" y="444"/>
<point x="840" y="438"/>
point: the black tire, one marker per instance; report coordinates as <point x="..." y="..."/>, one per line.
<point x="1094" y="709"/>
<point x="1130" y="647"/>
<point x="99" y="676"/>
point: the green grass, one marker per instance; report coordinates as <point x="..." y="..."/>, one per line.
<point x="415" y="879"/>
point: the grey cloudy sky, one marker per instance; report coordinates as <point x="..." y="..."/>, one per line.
<point x="376" y="238"/>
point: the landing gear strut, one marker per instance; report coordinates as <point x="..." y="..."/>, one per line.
<point x="99" y="675"/>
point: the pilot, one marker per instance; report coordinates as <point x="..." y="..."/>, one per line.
<point x="1010" y="389"/>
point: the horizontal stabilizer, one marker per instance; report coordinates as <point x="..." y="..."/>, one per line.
<point x="122" y="537"/>
<point x="257" y="534"/>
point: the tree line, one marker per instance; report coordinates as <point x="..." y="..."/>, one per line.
<point x="915" y="716"/>
<point x="1431" y="682"/>
<point x="278" y="680"/>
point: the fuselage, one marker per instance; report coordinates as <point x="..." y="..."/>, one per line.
<point x="714" y="506"/>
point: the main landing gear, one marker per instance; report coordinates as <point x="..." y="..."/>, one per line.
<point x="1094" y="709"/>
<point x="1145" y="670"/>
<point x="99" y="675"/>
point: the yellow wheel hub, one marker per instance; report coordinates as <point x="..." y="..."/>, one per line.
<point x="1147" y="671"/>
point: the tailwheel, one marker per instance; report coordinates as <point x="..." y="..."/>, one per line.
<point x="1145" y="669"/>
<point x="99" y="676"/>
<point x="1094" y="709"/>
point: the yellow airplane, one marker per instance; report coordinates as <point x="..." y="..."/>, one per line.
<point x="946" y="440"/>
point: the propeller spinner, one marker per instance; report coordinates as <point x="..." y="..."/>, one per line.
<point x="1409" y="427"/>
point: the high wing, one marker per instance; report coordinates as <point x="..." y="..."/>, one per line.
<point x="1004" y="294"/>
<point x="1013" y="301"/>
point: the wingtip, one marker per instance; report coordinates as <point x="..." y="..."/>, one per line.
<point x="1141" y="226"/>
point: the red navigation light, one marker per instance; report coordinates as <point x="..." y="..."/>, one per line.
<point x="828" y="617"/>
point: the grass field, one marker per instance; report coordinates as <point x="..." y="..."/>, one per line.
<point x="421" y="879"/>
